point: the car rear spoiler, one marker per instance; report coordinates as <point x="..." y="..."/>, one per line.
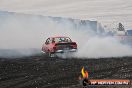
<point x="69" y="43"/>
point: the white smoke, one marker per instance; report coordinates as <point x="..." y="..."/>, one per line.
<point x="27" y="32"/>
<point x="98" y="47"/>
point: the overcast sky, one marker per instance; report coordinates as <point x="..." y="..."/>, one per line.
<point x="106" y="11"/>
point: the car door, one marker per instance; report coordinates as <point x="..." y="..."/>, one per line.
<point x="46" y="46"/>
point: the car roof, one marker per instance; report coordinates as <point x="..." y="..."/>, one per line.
<point x="59" y="37"/>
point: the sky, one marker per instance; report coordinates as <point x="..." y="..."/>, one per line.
<point x="105" y="11"/>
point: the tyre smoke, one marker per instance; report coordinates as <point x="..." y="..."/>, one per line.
<point x="26" y="34"/>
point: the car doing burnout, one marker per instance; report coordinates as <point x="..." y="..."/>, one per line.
<point x="55" y="45"/>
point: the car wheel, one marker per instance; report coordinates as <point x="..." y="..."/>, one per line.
<point x="51" y="54"/>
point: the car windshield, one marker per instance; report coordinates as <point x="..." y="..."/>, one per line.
<point x="61" y="39"/>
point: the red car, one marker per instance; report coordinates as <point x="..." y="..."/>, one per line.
<point x="59" y="44"/>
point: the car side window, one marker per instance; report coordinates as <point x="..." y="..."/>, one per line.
<point x="47" y="41"/>
<point x="53" y="40"/>
<point x="50" y="40"/>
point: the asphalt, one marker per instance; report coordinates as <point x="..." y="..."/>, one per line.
<point x="44" y="72"/>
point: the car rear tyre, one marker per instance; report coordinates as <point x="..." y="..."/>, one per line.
<point x="51" y="54"/>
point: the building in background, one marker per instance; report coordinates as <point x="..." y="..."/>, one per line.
<point x="129" y="32"/>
